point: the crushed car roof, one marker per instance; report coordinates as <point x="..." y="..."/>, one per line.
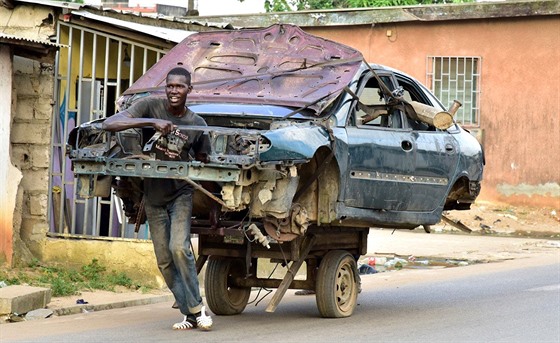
<point x="278" y="65"/>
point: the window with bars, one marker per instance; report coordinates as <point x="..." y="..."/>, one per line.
<point x="457" y="78"/>
<point x="93" y="69"/>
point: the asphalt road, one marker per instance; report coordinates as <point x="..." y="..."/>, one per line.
<point x="510" y="301"/>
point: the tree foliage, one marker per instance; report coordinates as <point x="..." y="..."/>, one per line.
<point x="298" y="5"/>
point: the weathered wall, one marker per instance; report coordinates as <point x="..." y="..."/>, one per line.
<point x="30" y="143"/>
<point x="27" y="124"/>
<point x="9" y="175"/>
<point x="135" y="258"/>
<point x="26" y="113"/>
<point x="29" y="21"/>
<point x="520" y="86"/>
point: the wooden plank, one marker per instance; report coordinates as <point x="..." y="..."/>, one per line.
<point x="290" y="274"/>
<point x="431" y="115"/>
<point x="200" y="262"/>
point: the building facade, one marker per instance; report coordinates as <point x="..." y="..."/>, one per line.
<point x="499" y="59"/>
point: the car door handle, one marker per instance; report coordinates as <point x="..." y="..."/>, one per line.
<point x="406" y="145"/>
<point x="449" y="147"/>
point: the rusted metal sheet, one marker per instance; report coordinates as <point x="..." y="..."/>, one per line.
<point x="280" y="65"/>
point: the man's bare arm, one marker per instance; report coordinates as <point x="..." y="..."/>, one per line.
<point x="124" y="120"/>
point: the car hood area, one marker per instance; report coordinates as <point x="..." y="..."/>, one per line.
<point x="279" y="65"/>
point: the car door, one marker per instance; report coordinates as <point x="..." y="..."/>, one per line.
<point x="435" y="153"/>
<point x="380" y="154"/>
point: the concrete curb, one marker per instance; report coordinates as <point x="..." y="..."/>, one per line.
<point x="76" y="309"/>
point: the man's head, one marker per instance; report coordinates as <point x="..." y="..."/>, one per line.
<point x="178" y="85"/>
<point x="180" y="71"/>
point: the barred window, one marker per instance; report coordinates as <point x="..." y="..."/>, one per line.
<point x="457" y="78"/>
<point x="117" y="62"/>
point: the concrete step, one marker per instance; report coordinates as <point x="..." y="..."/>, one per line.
<point x="22" y="299"/>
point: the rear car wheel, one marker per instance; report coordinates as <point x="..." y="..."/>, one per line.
<point x="221" y="296"/>
<point x="336" y="286"/>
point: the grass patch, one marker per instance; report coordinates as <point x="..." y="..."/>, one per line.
<point x="66" y="281"/>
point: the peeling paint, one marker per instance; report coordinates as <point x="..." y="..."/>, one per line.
<point x="134" y="257"/>
<point x="10" y="176"/>
<point x="551" y="189"/>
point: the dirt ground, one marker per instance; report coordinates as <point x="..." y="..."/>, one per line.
<point x="505" y="220"/>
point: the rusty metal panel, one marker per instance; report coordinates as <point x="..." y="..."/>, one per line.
<point x="279" y="65"/>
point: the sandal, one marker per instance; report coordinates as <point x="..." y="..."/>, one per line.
<point x="203" y="321"/>
<point x="186" y="324"/>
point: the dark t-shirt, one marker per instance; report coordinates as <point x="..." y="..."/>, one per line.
<point x="173" y="147"/>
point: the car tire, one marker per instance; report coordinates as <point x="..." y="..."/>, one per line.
<point x="336" y="285"/>
<point x="221" y="296"/>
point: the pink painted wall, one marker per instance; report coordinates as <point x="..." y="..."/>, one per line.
<point x="520" y="85"/>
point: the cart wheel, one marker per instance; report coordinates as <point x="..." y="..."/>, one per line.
<point x="336" y="287"/>
<point x="222" y="298"/>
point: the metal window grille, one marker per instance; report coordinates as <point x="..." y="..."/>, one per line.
<point x="91" y="72"/>
<point x="457" y="78"/>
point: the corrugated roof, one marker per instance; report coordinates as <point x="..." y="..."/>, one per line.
<point x="76" y="7"/>
<point x="4" y="36"/>
<point x="337" y="17"/>
<point x="172" y="35"/>
<point x="360" y="16"/>
<point x="395" y="14"/>
<point x="59" y="4"/>
<point x="220" y="23"/>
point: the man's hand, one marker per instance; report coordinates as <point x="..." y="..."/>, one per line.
<point x="163" y="126"/>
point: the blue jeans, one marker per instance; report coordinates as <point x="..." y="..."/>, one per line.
<point x="170" y="228"/>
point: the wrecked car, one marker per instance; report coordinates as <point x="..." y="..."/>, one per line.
<point x="310" y="147"/>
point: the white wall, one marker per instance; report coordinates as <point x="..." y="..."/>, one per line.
<point x="10" y="176"/>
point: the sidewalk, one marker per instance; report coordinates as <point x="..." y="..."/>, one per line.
<point x="105" y="300"/>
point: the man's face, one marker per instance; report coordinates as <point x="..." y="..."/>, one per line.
<point x="177" y="89"/>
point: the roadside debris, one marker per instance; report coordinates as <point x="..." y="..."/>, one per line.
<point x="15" y="317"/>
<point x="551" y="244"/>
<point x="553" y="215"/>
<point x="41" y="313"/>
<point x="364" y="269"/>
<point x="391" y="263"/>
<point x="456" y="223"/>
